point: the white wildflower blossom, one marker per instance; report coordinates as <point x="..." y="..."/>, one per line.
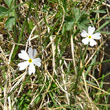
<point x="30" y="60"/>
<point x="90" y="36"/>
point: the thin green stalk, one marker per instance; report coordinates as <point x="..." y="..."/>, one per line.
<point x="22" y="30"/>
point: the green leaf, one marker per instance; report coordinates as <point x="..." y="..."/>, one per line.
<point x="69" y="26"/>
<point x="8" y="2"/>
<point x="103" y="25"/>
<point x="53" y="85"/>
<point x="83" y="21"/>
<point x="9" y="23"/>
<point x="69" y="19"/>
<point x="99" y="11"/>
<point x="64" y="4"/>
<point x="30" y="25"/>
<point x="52" y="1"/>
<point x="69" y="22"/>
<point x="36" y="101"/>
<point x="3" y="10"/>
<point x="77" y="14"/>
<point x="63" y="29"/>
<point x="83" y="24"/>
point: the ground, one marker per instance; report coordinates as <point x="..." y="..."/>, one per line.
<point x="73" y="75"/>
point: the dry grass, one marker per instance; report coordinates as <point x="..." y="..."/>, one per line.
<point x="67" y="78"/>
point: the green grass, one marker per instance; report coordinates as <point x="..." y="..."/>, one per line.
<point x="67" y="78"/>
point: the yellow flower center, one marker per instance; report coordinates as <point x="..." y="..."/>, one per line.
<point x="30" y="60"/>
<point x="89" y="37"/>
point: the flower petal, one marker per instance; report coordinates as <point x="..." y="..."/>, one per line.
<point x="23" y="55"/>
<point x="23" y="65"/>
<point x="85" y="41"/>
<point x="34" y="53"/>
<point x="30" y="52"/>
<point x="84" y="33"/>
<point x="92" y="42"/>
<point x="96" y="36"/>
<point x="31" y="68"/>
<point x="91" y="30"/>
<point x="37" y="62"/>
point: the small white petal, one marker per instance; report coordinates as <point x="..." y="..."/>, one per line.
<point x="84" y="33"/>
<point x="34" y="53"/>
<point x="91" y="30"/>
<point x="23" y="65"/>
<point x="37" y="62"/>
<point x="31" y="68"/>
<point x="30" y="52"/>
<point x="92" y="42"/>
<point x="96" y="36"/>
<point x="23" y="55"/>
<point x="85" y="41"/>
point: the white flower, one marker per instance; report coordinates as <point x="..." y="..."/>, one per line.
<point x="30" y="60"/>
<point x="90" y="37"/>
